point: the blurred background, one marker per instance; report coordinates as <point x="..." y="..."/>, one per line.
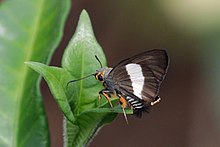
<point x="189" y="113"/>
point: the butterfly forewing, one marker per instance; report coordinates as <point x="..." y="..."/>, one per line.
<point x="140" y="76"/>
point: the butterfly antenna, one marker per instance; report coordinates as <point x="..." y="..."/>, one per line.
<point x="72" y="81"/>
<point x="125" y="115"/>
<point x="98" y="61"/>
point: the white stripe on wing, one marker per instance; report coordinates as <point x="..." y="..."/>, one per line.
<point x="137" y="78"/>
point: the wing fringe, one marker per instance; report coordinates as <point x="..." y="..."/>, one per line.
<point x="138" y="112"/>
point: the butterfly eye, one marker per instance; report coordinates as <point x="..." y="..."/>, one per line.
<point x="100" y="78"/>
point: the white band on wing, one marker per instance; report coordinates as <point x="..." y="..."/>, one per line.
<point x="137" y="78"/>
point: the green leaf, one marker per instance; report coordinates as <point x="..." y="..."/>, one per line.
<point x="56" y="79"/>
<point x="79" y="60"/>
<point x="29" y="30"/>
<point x="79" y="100"/>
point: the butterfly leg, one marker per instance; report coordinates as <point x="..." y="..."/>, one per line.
<point x="123" y="103"/>
<point x="106" y="95"/>
<point x="100" y="97"/>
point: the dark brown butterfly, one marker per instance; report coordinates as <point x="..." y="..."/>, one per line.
<point x="136" y="80"/>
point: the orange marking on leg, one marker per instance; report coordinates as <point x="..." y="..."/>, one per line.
<point x="123" y="102"/>
<point x="123" y="105"/>
<point x="107" y="97"/>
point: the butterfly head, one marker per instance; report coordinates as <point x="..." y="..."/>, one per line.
<point x="100" y="74"/>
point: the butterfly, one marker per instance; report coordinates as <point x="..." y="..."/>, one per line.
<point x="135" y="81"/>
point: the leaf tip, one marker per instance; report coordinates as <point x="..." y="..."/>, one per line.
<point x="84" y="14"/>
<point x="28" y="63"/>
<point x="35" y="65"/>
<point x="84" y="21"/>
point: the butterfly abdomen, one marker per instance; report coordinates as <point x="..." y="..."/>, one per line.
<point x="135" y="103"/>
<point x="138" y="106"/>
